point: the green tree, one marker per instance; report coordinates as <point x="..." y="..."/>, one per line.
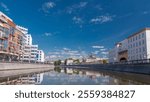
<point x="57" y="63"/>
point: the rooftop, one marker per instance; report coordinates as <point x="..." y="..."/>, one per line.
<point x="142" y="30"/>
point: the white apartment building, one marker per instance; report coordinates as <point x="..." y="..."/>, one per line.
<point x="135" y="47"/>
<point x="139" y="45"/>
<point x="30" y="53"/>
<point x="40" y="56"/>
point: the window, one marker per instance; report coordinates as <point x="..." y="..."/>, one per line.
<point x="133" y="38"/>
<point x="139" y="49"/>
<point x="136" y="50"/>
<point x="143" y="49"/>
<point x="140" y="43"/>
<point x="143" y="42"/>
<point x="136" y="44"/>
<point x="139" y="36"/>
<point x="143" y="35"/>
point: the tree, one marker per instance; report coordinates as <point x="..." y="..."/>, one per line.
<point x="105" y="61"/>
<point x="77" y="61"/>
<point x="57" y="63"/>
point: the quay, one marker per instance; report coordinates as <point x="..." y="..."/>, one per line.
<point x="138" y="68"/>
<point x="22" y="66"/>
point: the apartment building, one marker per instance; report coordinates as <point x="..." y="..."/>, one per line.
<point x="135" y="47"/>
<point x="11" y="39"/>
<point x="30" y="53"/>
<point x="16" y="42"/>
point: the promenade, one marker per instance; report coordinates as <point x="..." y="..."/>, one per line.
<point x="22" y="66"/>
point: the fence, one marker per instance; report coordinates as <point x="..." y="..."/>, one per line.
<point x="23" y="62"/>
<point x="143" y="61"/>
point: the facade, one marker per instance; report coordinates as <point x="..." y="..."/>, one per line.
<point x="28" y="39"/>
<point x="40" y="56"/>
<point x="113" y="55"/>
<point x="16" y="43"/>
<point x="11" y="39"/>
<point x="69" y="62"/>
<point x="135" y="47"/>
<point x="93" y="60"/>
<point x="30" y="53"/>
<point x="139" y="45"/>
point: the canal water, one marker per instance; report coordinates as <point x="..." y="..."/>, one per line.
<point x="68" y="76"/>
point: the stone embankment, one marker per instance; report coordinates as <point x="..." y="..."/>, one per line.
<point x="22" y="66"/>
<point x="130" y="68"/>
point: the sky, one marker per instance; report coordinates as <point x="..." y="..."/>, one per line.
<point x="77" y="28"/>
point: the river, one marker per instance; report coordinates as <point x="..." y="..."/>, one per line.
<point x="68" y="76"/>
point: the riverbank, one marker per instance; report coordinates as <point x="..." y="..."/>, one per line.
<point x="129" y="68"/>
<point x="23" y="66"/>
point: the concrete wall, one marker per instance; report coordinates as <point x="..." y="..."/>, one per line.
<point x="19" y="66"/>
<point x="137" y="68"/>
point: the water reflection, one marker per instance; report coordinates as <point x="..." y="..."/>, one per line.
<point x="68" y="76"/>
<point x="25" y="80"/>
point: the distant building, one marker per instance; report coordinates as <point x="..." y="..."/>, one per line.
<point x="69" y="62"/>
<point x="93" y="60"/>
<point x="135" y="47"/>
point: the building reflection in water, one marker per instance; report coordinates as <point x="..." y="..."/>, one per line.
<point x="34" y="79"/>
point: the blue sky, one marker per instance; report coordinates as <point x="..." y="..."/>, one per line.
<point x="78" y="27"/>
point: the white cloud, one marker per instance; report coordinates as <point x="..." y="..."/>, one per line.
<point x="105" y="53"/>
<point x="97" y="47"/>
<point x="101" y="19"/>
<point x="66" y="49"/>
<point x="48" y="34"/>
<point x="103" y="49"/>
<point x="54" y="53"/>
<point x="82" y="4"/>
<point x="146" y="12"/>
<point x="96" y="52"/>
<point x="4" y="6"/>
<point x="76" y="7"/>
<point x="65" y="53"/>
<point x="98" y="7"/>
<point x="77" y="20"/>
<point x="47" y="6"/>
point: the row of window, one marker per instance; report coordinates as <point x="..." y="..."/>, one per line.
<point x="138" y="50"/>
<point x="137" y="44"/>
<point x="137" y="37"/>
<point x="137" y="57"/>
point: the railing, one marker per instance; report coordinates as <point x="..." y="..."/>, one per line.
<point x="23" y="62"/>
<point x="143" y="61"/>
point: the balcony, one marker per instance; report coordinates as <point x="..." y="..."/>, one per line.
<point x="3" y="20"/>
<point x="3" y="36"/>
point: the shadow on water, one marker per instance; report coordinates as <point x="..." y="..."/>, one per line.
<point x="69" y="76"/>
